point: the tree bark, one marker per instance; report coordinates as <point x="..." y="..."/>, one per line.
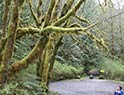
<point x="47" y="54"/>
<point x="57" y="45"/>
<point x="5" y="15"/>
<point x="9" y="44"/>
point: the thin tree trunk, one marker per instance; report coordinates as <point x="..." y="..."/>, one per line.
<point x="112" y="46"/>
<point x="5" y="15"/>
<point x="121" y="37"/>
<point x="112" y="35"/>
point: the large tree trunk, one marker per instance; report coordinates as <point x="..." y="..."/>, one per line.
<point x="9" y="46"/>
<point x="57" y="45"/>
<point x="48" y="58"/>
<point x="9" y="43"/>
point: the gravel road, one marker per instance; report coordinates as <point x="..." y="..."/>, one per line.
<point x="84" y="87"/>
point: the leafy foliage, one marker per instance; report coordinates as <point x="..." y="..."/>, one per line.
<point x="23" y="46"/>
<point x="114" y="68"/>
<point x="23" y="88"/>
<point x="83" y="53"/>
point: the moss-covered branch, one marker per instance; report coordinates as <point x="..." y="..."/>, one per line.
<point x="95" y="39"/>
<point x="55" y="11"/>
<point x="62" y="30"/>
<point x="48" y="14"/>
<point x="27" y="30"/>
<point x="69" y="14"/>
<point x="82" y="19"/>
<point x="49" y="29"/>
<point x="33" y="55"/>
<point x="46" y="61"/>
<point x="33" y="13"/>
<point x="39" y="11"/>
<point x="67" y="6"/>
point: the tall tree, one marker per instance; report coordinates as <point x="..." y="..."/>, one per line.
<point x="50" y="26"/>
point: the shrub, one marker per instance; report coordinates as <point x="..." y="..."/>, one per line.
<point x="65" y="71"/>
<point x="114" y="68"/>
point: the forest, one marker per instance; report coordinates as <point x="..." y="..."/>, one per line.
<point x="46" y="41"/>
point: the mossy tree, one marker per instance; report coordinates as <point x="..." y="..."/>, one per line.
<point x="51" y="26"/>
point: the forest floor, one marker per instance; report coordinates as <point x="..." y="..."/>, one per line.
<point x="84" y="87"/>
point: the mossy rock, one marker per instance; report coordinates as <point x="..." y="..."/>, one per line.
<point x="101" y="77"/>
<point x="94" y="72"/>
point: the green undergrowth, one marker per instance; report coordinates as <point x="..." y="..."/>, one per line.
<point x="26" y="83"/>
<point x="114" y="69"/>
<point x="65" y="71"/>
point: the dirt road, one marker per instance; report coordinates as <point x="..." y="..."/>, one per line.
<point x="84" y="87"/>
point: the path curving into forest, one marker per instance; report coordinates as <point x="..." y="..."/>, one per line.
<point x="84" y="87"/>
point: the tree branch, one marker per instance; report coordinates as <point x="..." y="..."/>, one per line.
<point x="39" y="11"/>
<point x="5" y="15"/>
<point x="30" y="58"/>
<point x="82" y="19"/>
<point x="48" y="14"/>
<point x="27" y="30"/>
<point x="55" y="11"/>
<point x="67" y="6"/>
<point x="69" y="14"/>
<point x="33" y="13"/>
